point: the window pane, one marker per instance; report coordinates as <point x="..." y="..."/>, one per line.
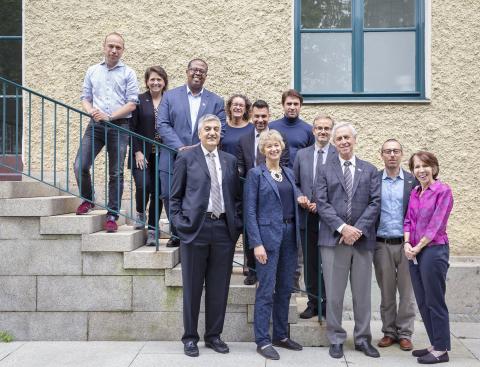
<point x="326" y="14"/>
<point x="11" y="60"/>
<point x="326" y="62"/>
<point x="11" y="23"/>
<point x="389" y="13"/>
<point x="389" y="62"/>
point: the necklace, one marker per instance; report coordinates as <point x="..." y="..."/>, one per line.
<point x="276" y="174"/>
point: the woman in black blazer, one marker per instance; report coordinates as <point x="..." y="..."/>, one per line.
<point x="143" y="165"/>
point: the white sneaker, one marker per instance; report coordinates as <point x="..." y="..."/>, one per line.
<point x="140" y="220"/>
<point x="151" y="238"/>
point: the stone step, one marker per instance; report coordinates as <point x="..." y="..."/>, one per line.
<point x="125" y="239"/>
<point x="76" y="224"/>
<point x="146" y="257"/>
<point x="38" y="206"/>
<point x="309" y="333"/>
<point x="26" y="189"/>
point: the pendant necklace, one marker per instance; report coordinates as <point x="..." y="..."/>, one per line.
<point x="276" y="174"/>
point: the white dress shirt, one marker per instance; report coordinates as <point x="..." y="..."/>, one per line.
<point x="219" y="176"/>
<point x="315" y="156"/>
<point x="255" y="148"/>
<point x="194" y="102"/>
<point x="352" y="171"/>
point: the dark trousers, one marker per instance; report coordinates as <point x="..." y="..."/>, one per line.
<point x="145" y="190"/>
<point x="249" y="257"/>
<point x="275" y="284"/>
<point x="208" y="259"/>
<point x="428" y="280"/>
<point x="312" y="262"/>
<point x="96" y="136"/>
<point x="166" y="181"/>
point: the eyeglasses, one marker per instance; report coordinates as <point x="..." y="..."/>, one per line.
<point x="390" y="151"/>
<point x="320" y="128"/>
<point x="238" y="105"/>
<point x="197" y="71"/>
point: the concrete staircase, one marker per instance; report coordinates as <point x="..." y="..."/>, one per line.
<point x="63" y="278"/>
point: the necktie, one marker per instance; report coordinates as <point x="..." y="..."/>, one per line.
<point x="347" y="175"/>
<point x="258" y="155"/>
<point x="318" y="163"/>
<point x="215" y="194"/>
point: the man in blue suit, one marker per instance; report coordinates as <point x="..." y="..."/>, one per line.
<point x="347" y="192"/>
<point x="177" y="122"/>
<point x="206" y="211"/>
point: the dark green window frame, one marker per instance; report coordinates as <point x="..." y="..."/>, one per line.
<point x="357" y="54"/>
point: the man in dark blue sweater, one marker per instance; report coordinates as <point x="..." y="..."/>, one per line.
<point x="297" y="132"/>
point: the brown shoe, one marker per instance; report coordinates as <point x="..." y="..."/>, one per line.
<point x="405" y="344"/>
<point x="386" y="341"/>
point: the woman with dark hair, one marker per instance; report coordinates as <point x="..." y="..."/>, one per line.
<point x="238" y="112"/>
<point x="427" y="248"/>
<point x="143" y="165"/>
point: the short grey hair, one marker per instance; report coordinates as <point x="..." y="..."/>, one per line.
<point x="269" y="135"/>
<point x="207" y="117"/>
<point x="341" y="124"/>
<point x="323" y="117"/>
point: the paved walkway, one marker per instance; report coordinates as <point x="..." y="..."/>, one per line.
<point x="465" y="353"/>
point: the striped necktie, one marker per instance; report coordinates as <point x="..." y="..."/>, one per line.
<point x="215" y="194"/>
<point x="347" y="175"/>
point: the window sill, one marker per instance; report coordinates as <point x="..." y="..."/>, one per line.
<point x="365" y="100"/>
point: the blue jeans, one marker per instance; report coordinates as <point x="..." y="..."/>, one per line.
<point x="96" y="136"/>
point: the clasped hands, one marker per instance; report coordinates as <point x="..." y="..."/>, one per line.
<point x="350" y="235"/>
<point x="410" y="251"/>
<point x="98" y="115"/>
<point x="307" y="204"/>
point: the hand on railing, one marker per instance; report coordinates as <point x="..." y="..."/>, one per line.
<point x="140" y="160"/>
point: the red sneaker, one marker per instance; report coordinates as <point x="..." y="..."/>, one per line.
<point x="111" y="224"/>
<point x="85" y="208"/>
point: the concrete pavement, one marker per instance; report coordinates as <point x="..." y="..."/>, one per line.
<point x="465" y="353"/>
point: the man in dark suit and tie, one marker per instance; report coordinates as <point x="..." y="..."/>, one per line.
<point x="177" y="122"/>
<point x="391" y="264"/>
<point x="347" y="192"/>
<point x="307" y="162"/>
<point x="206" y="211"/>
<point x="249" y="156"/>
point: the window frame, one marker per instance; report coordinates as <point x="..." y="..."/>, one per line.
<point x="358" y="31"/>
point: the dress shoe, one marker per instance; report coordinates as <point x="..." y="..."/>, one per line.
<point x="190" y="349"/>
<point x="405" y="344"/>
<point x="309" y="313"/>
<point x="268" y="352"/>
<point x="218" y="345"/>
<point x="431" y="359"/>
<point x="386" y="341"/>
<point x="173" y="242"/>
<point x="287" y="344"/>
<point x="336" y="350"/>
<point x="420" y="352"/>
<point x="368" y="349"/>
<point x="251" y="279"/>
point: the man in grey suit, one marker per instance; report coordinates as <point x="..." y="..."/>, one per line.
<point x="177" y="122"/>
<point x="347" y="192"/>
<point x="391" y="264"/>
<point x="307" y="161"/>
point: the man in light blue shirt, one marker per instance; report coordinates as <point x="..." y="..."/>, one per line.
<point x="110" y="94"/>
<point x="391" y="265"/>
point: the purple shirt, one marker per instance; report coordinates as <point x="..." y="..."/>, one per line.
<point x="427" y="215"/>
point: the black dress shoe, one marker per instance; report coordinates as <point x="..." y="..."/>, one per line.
<point x="268" y="352"/>
<point x="368" y="349"/>
<point x="420" y="352"/>
<point x="218" y="345"/>
<point x="190" y="349"/>
<point x="309" y="313"/>
<point x="251" y="279"/>
<point x="431" y="359"/>
<point x="287" y="344"/>
<point x="173" y="242"/>
<point x="336" y="350"/>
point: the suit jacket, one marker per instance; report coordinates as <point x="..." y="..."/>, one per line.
<point x="246" y="153"/>
<point x="264" y="215"/>
<point x="143" y="123"/>
<point x="331" y="197"/>
<point x="409" y="183"/>
<point x="173" y="122"/>
<point x="191" y="191"/>
<point x="303" y="170"/>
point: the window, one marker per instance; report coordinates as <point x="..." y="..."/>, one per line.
<point x="11" y="69"/>
<point x="359" y="49"/>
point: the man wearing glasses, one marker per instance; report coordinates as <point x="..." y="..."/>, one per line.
<point x="177" y="121"/>
<point x="391" y="265"/>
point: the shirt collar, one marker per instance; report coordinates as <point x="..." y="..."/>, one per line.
<point x="324" y="149"/>
<point x="190" y="92"/>
<point x="205" y="151"/>
<point x="119" y="64"/>
<point x="400" y="174"/>
<point x="434" y="187"/>
<point x="256" y="132"/>
<point x="352" y="160"/>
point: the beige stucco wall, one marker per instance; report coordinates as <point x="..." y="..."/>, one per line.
<point x="249" y="49"/>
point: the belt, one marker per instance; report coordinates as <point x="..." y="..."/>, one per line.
<point x="391" y="241"/>
<point x="288" y="220"/>
<point x="214" y="217"/>
<point x="120" y="121"/>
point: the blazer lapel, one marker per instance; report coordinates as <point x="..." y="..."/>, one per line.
<point x="266" y="174"/>
<point x="337" y="168"/>
<point x="358" y="174"/>
<point x="187" y="106"/>
<point x="201" y="159"/>
<point x="310" y="160"/>
<point x="223" y="163"/>
<point x="407" y="187"/>
<point x="203" y="106"/>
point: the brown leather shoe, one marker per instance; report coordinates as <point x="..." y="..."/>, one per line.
<point x="386" y="341"/>
<point x="405" y="344"/>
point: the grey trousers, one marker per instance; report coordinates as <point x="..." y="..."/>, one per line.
<point x="339" y="264"/>
<point x="392" y="273"/>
